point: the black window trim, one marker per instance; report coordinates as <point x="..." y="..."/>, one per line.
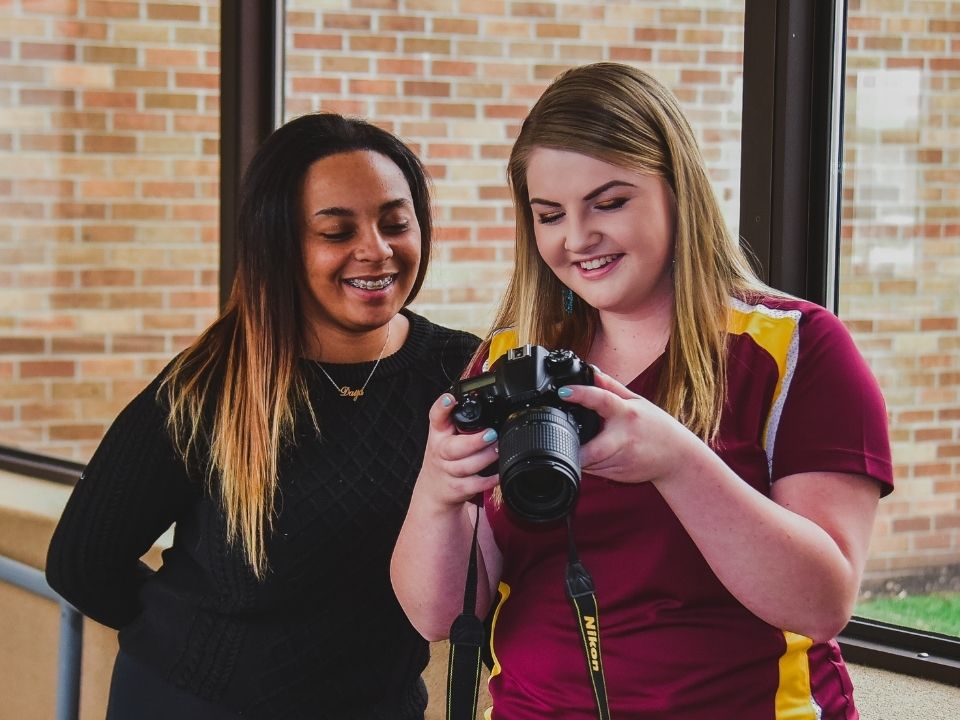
<point x="794" y="52"/>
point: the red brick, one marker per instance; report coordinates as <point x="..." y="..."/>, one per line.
<point x="631" y="54"/>
<point x="453" y="67"/>
<point x="373" y="87"/>
<point x="139" y="344"/>
<point x="346" y="21"/>
<point x="401" y="23"/>
<point x="414" y="88"/>
<point x="112" y="9"/>
<point x="36" y="96"/>
<point x="433" y="46"/>
<point x="139" y="78"/>
<point x="400" y="66"/>
<point x="372" y="43"/>
<point x="140" y="121"/>
<point x="169" y="57"/>
<point x="179" y="13"/>
<point x="50" y="7"/>
<point x="72" y="345"/>
<point x="170" y="101"/>
<point x="80" y="30"/>
<point x="47" y="51"/>
<point x="317" y="41"/>
<point x="454" y="110"/>
<point x="21" y="345"/>
<point x="78" y="211"/>
<point x="106" y="278"/>
<point x="108" y="99"/>
<point x="456" y="26"/>
<point x="139" y="211"/>
<point x="107" y="233"/>
<point x="109" y="144"/>
<point x="47" y="368"/>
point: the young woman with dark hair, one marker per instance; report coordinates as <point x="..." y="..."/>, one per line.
<point x="283" y="444"/>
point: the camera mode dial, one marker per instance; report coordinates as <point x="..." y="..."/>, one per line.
<point x="559" y="360"/>
<point x="468" y="411"/>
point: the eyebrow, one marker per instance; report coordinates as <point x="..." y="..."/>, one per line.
<point x="589" y="196"/>
<point x="347" y="212"/>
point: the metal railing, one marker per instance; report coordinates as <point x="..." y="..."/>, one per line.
<point x="71" y="634"/>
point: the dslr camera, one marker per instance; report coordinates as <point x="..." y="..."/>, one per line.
<point x="540" y="434"/>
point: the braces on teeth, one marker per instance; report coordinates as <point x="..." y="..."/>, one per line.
<point x="371" y="284"/>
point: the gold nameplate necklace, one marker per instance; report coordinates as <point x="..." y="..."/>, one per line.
<point x="346" y="390"/>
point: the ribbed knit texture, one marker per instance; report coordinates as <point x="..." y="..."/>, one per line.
<point x="323" y="635"/>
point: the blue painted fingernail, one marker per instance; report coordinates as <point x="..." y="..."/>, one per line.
<point x="564" y="392"/>
<point x="446" y="400"/>
<point x="490" y="435"/>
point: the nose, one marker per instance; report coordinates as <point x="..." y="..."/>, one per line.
<point x="580" y="237"/>
<point x="372" y="246"/>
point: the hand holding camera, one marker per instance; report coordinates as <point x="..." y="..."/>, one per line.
<point x="539" y="433"/>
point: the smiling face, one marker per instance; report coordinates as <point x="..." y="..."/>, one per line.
<point x="605" y="231"/>
<point x="361" y="243"/>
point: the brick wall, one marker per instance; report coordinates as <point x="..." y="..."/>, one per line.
<point x="108" y="244"/>
<point x="109" y="174"/>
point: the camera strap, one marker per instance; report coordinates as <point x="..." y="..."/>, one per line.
<point x="583" y="598"/>
<point x="466" y="639"/>
<point x="467" y="635"/>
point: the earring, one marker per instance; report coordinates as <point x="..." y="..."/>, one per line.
<point x="568" y="301"/>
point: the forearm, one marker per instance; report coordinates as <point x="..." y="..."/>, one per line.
<point x="783" y="567"/>
<point x="429" y="565"/>
<point x="107" y="593"/>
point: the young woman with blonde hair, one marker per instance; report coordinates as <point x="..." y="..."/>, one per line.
<point x="283" y="444"/>
<point x="726" y="504"/>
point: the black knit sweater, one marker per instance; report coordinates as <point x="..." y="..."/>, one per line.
<point x="323" y="635"/>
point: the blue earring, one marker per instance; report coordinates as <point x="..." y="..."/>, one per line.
<point x="568" y="301"/>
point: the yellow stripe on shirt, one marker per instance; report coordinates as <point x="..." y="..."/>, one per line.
<point x="794" y="699"/>
<point x="776" y="331"/>
<point x="504" y="592"/>
<point x="501" y="341"/>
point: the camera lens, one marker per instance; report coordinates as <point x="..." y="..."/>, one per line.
<point x="540" y="463"/>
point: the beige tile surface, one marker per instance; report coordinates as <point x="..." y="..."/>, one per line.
<point x="883" y="695"/>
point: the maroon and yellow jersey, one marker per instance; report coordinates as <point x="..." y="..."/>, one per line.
<point x="675" y="643"/>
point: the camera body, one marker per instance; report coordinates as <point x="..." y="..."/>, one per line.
<point x="539" y="433"/>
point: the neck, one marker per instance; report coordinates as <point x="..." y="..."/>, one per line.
<point x="341" y="346"/>
<point x="625" y="345"/>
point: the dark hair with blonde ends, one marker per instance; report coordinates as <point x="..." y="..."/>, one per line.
<point x="623" y="116"/>
<point x="233" y="395"/>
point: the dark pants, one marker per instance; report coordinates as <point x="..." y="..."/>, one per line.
<point x="138" y="693"/>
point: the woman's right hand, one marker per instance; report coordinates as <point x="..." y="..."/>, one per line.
<point x="448" y="477"/>
<point x="430" y="558"/>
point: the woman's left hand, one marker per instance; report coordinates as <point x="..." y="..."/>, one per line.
<point x="639" y="442"/>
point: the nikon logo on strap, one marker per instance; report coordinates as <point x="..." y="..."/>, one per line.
<point x="593" y="641"/>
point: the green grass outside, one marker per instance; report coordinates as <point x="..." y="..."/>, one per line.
<point x="936" y="612"/>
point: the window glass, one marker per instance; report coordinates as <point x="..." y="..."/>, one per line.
<point x="454" y="80"/>
<point x="109" y="175"/>
<point x="899" y="291"/>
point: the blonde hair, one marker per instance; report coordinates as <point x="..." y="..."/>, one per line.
<point x="623" y="116"/>
<point x="234" y="394"/>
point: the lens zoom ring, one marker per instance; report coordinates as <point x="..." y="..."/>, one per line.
<point x="538" y="433"/>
